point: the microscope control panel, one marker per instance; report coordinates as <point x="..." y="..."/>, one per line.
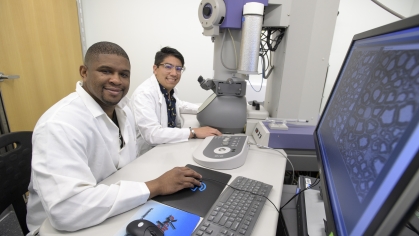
<point x="222" y="152"/>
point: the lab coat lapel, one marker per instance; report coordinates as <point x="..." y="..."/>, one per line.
<point x="179" y="120"/>
<point x="162" y="104"/>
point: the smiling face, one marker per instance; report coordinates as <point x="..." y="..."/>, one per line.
<point x="106" y="78"/>
<point x="168" y="78"/>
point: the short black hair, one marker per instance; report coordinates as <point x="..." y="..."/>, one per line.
<point x="104" y="48"/>
<point x="165" y="52"/>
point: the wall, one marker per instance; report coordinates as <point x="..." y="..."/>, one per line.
<point x="402" y="7"/>
<point x="143" y="27"/>
<point x="356" y="16"/>
<point x="415" y="8"/>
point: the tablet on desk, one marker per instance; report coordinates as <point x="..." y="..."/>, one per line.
<point x="198" y="200"/>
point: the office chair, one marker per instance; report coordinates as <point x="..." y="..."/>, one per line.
<point x="15" y="172"/>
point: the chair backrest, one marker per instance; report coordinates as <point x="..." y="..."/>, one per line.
<point x="15" y="172"/>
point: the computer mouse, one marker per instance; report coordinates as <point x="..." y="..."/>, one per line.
<point x="143" y="228"/>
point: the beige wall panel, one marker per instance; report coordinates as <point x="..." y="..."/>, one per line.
<point x="40" y="41"/>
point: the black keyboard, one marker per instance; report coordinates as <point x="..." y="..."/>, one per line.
<point x="235" y="212"/>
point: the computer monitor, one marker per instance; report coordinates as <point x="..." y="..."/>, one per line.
<point x="367" y="138"/>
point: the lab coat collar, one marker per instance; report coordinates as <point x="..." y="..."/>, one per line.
<point x="92" y="105"/>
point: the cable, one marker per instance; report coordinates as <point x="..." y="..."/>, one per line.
<point x="260" y="146"/>
<point x="263" y="67"/>
<point x="261" y="83"/>
<point x="388" y="9"/>
<point x="277" y="40"/>
<point x="222" y="49"/>
<point x="263" y="54"/>
<point x="410" y="226"/>
<point x="311" y="186"/>
<point x="234" y="46"/>
<point x="270" y="64"/>
<point x="267" y="44"/>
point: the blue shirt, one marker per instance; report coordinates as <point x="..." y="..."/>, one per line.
<point x="171" y="106"/>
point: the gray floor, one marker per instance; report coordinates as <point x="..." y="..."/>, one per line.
<point x="9" y="225"/>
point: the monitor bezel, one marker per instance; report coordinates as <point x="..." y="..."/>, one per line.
<point x="410" y="174"/>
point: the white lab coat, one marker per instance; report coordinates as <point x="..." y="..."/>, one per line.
<point x="150" y="112"/>
<point x="75" y="146"/>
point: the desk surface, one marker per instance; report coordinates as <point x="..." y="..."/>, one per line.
<point x="264" y="165"/>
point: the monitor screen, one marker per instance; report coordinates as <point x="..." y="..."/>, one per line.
<point x="367" y="138"/>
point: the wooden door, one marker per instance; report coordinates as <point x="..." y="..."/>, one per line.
<point x="40" y="42"/>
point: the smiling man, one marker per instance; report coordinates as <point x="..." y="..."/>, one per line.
<point x="157" y="107"/>
<point x="84" y="138"/>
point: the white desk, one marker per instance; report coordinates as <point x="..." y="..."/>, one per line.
<point x="264" y="165"/>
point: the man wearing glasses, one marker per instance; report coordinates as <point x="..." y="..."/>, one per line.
<point x="157" y="107"/>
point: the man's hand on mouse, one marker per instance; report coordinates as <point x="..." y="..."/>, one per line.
<point x="174" y="180"/>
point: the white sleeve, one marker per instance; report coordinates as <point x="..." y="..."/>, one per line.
<point x="187" y="107"/>
<point x="144" y="109"/>
<point x="67" y="187"/>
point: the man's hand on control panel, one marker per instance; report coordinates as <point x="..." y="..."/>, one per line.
<point x="204" y="132"/>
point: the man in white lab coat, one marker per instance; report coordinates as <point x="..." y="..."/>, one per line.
<point x="83" y="139"/>
<point x="157" y="107"/>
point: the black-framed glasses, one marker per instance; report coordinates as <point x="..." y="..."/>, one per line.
<point x="169" y="67"/>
